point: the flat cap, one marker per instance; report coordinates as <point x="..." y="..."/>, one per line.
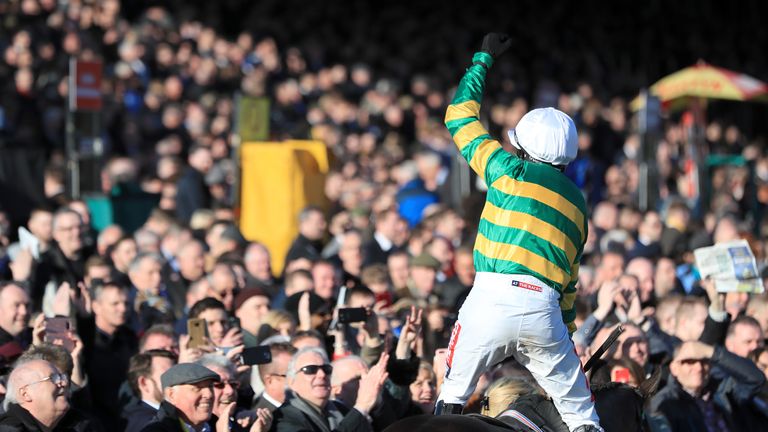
<point x="187" y="373"/>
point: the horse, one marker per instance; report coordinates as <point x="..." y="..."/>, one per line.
<point x="619" y="406"/>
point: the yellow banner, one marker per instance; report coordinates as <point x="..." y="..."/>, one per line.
<point x="279" y="179"/>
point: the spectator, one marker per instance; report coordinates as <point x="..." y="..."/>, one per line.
<point x="273" y="375"/>
<point x="65" y="260"/>
<point x="308" y="405"/>
<point x="225" y="389"/>
<point x="259" y="267"/>
<point x="397" y="264"/>
<point x="378" y="248"/>
<point x="422" y="390"/>
<point x="188" y="399"/>
<point x="351" y="257"/>
<point x="193" y="192"/>
<point x="744" y="336"/>
<point x="422" y="280"/>
<point x="108" y="346"/>
<point x="413" y="196"/>
<point x="453" y="291"/>
<point x="224" y="283"/>
<point x="694" y="399"/>
<point x="36" y="396"/>
<point x="121" y="254"/>
<point x="308" y="244"/>
<point x="325" y="279"/>
<point x="217" y="322"/>
<point x="144" y="372"/>
<point x="14" y="315"/>
<point x="159" y="337"/>
<point x="250" y="306"/>
<point x="150" y="301"/>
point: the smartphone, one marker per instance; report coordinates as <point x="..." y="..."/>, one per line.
<point x="256" y="355"/>
<point x="349" y="315"/>
<point x="234" y="322"/>
<point x="57" y="332"/>
<point x="620" y="375"/>
<point x="385" y="297"/>
<point x="197" y="331"/>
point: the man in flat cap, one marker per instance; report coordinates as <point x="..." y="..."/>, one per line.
<point x="188" y="403"/>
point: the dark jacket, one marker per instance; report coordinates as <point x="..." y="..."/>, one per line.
<point x="17" y="419"/>
<point x="192" y="194"/>
<point x="55" y="266"/>
<point x="106" y="360"/>
<point x="167" y="420"/>
<point x="261" y="402"/>
<point x="297" y="415"/>
<point x="731" y="392"/>
<point x="303" y="247"/>
<point x="137" y="415"/>
<point x="374" y="254"/>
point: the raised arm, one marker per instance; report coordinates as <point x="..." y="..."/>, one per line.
<point x="461" y="119"/>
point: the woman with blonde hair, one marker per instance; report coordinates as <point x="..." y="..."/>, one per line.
<point x="281" y="321"/>
<point x="502" y="392"/>
<point x="422" y="390"/>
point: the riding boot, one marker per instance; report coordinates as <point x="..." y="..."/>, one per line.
<point x="444" y="408"/>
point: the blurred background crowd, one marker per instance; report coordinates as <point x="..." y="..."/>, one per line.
<point x="373" y="84"/>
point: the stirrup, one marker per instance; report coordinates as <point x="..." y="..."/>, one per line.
<point x="588" y="428"/>
<point x="442" y="408"/>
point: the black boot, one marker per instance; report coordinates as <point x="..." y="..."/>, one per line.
<point x="442" y="408"/>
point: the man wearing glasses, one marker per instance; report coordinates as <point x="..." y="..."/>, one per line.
<point x="696" y="399"/>
<point x="273" y="375"/>
<point x="225" y="390"/>
<point x="308" y="406"/>
<point x="36" y="396"/>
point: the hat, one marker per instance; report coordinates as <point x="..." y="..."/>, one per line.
<point x="547" y="135"/>
<point x="425" y="260"/>
<point x="317" y="305"/>
<point x="247" y="293"/>
<point x="187" y="373"/>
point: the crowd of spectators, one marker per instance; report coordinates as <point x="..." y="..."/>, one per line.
<point x="393" y="240"/>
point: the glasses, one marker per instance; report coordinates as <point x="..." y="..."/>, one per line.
<point x="312" y="369"/>
<point x="55" y="378"/>
<point x="221" y="384"/>
<point x="691" y="362"/>
<point x="635" y="340"/>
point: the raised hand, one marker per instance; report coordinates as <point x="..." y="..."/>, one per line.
<point x="305" y="317"/>
<point x="409" y="334"/>
<point x="222" y="424"/>
<point x="496" y="44"/>
<point x="233" y="337"/>
<point x="605" y="299"/>
<point x="370" y="385"/>
<point x="263" y="421"/>
<point x="38" y="329"/>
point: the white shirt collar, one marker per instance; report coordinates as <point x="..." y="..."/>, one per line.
<point x="270" y="399"/>
<point x="156" y="406"/>
<point x="383" y="242"/>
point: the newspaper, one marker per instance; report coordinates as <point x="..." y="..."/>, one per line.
<point x="731" y="265"/>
